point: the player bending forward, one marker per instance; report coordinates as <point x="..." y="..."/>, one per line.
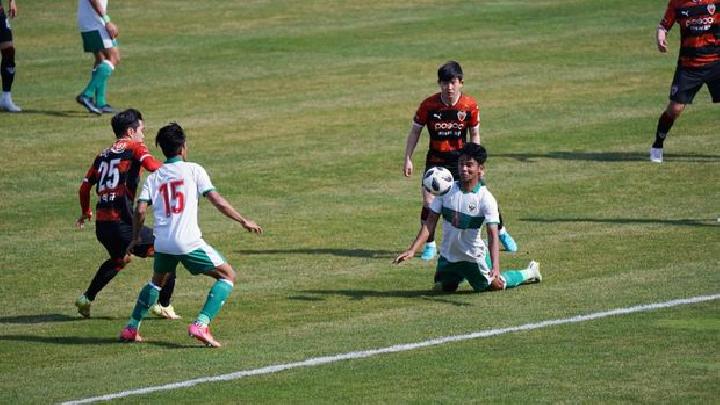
<point x="463" y="254"/>
<point x="174" y="190"/>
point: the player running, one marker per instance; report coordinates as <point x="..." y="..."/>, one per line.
<point x="7" y="48"/>
<point x="449" y="115"/>
<point x="99" y="38"/>
<point x="464" y="255"/>
<point x="115" y="173"/>
<point x="174" y="191"/>
<point x="698" y="60"/>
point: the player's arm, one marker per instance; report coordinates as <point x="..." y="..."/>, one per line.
<point x="12" y="9"/>
<point x="223" y="206"/>
<point x="138" y="223"/>
<point x="420" y="239"/>
<point x="146" y="159"/>
<point x="494" y="248"/>
<point x="665" y="24"/>
<point x="475" y="134"/>
<point x="410" y="144"/>
<point x="84" y="194"/>
<point x="109" y="26"/>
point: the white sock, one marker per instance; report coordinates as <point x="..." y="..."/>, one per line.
<point x="431" y="244"/>
<point x="502" y="231"/>
<point x="6" y="96"/>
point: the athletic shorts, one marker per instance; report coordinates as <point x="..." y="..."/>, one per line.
<point x="450" y="275"/>
<point x="200" y="260"/>
<point x="5" y="30"/>
<point x="116" y="237"/>
<point x="96" y="41"/>
<point x="687" y="82"/>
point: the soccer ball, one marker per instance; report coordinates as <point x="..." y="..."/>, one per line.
<point x="437" y="180"/>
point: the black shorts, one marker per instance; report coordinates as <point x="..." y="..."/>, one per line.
<point x="116" y="237"/>
<point x="687" y="82"/>
<point x="5" y="31"/>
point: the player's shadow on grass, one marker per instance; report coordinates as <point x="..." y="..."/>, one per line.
<point x="87" y="340"/>
<point x="62" y="114"/>
<point x="631" y="221"/>
<point x="316" y="295"/>
<point x="43" y="318"/>
<point x="324" y="251"/>
<point x="609" y="157"/>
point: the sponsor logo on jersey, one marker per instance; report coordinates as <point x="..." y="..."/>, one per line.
<point x="449" y="125"/>
<point x="461" y="115"/>
<point x="702" y="21"/>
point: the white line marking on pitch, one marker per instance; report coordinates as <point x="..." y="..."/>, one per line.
<point x="316" y="361"/>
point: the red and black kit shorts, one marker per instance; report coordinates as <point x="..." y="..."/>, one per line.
<point x="688" y="81"/>
<point x="5" y="31"/>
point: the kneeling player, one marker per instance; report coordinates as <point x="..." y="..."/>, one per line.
<point x="463" y="254"/>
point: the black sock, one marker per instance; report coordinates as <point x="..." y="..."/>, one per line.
<point x="664" y="124"/>
<point x="105" y="273"/>
<point x="167" y="291"/>
<point x="7" y="68"/>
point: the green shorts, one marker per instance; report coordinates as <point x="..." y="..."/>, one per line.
<point x="450" y="275"/>
<point x="198" y="261"/>
<point x="96" y="41"/>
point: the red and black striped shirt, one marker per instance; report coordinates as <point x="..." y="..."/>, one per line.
<point x="115" y="173"/>
<point x="699" y="22"/>
<point x="447" y="125"/>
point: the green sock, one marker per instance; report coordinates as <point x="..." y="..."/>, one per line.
<point x="104" y="70"/>
<point x="215" y="300"/>
<point x="92" y="84"/>
<point x="513" y="278"/>
<point x="147" y="298"/>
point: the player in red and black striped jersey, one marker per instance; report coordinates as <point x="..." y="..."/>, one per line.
<point x="698" y="60"/>
<point x="449" y="117"/>
<point x="115" y="173"/>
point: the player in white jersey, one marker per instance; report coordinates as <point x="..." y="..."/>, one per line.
<point x="174" y="190"/>
<point x="99" y="38"/>
<point x="463" y="254"/>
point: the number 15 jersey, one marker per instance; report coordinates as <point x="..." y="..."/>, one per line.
<point x="174" y="190"/>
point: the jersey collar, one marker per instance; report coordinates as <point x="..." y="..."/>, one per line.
<point x="174" y="159"/>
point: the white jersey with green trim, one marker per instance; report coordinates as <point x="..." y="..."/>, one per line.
<point x="463" y="214"/>
<point x="174" y="190"/>
<point x="87" y="18"/>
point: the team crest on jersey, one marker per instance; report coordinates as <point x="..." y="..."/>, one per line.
<point x="119" y="147"/>
<point x="472" y="207"/>
<point x="711" y="8"/>
<point x="461" y="115"/>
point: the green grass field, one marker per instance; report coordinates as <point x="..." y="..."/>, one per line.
<point x="299" y="111"/>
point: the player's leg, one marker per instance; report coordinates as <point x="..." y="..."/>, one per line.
<point x="713" y="82"/>
<point x="92" y="43"/>
<point x="447" y="278"/>
<point x="104" y="71"/>
<point x="685" y="85"/>
<point x="430" y="249"/>
<point x="111" y="237"/>
<point x="506" y="240"/>
<point x="163" y="267"/>
<point x="208" y="261"/>
<point x="7" y="65"/>
<point x="514" y="278"/>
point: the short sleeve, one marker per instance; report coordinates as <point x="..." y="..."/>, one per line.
<point x="204" y="185"/>
<point x="490" y="208"/>
<point x="421" y="114"/>
<point x="146" y="192"/>
<point x="474" y="115"/>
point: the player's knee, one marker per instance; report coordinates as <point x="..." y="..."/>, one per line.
<point x="8" y="57"/>
<point x="674" y="110"/>
<point x="120" y="262"/>
<point x="446" y="287"/>
<point x="226" y="271"/>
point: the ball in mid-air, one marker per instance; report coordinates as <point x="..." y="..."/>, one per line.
<point x="437" y="180"/>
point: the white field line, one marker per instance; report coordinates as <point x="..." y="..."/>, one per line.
<point x="316" y="361"/>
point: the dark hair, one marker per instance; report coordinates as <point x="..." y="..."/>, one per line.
<point x="475" y="151"/>
<point x="448" y="71"/>
<point x="171" y="139"/>
<point x="123" y="120"/>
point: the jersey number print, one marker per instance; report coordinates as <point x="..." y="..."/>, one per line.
<point x="172" y="192"/>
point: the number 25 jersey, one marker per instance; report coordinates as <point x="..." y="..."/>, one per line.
<point x="174" y="190"/>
